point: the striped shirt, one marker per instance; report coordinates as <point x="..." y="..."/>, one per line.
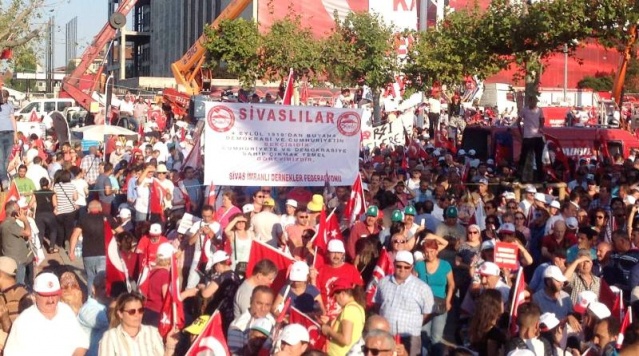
<point x="64" y="193"/>
<point x="116" y="342"/>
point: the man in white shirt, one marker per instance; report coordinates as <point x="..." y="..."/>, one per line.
<point x="266" y="224"/>
<point x="434" y="112"/>
<point x="533" y="137"/>
<point x="35" y="172"/>
<point x="52" y="323"/>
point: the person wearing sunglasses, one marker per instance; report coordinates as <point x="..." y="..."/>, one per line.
<point x="48" y="327"/>
<point x="128" y="333"/>
<point x="405" y="301"/>
<point x="379" y="342"/>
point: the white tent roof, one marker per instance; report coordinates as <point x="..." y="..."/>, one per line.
<point x="97" y="132"/>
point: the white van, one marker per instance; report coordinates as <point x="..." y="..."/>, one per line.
<point x="43" y="107"/>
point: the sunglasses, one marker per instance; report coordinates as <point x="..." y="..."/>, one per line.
<point x="134" y="311"/>
<point x="600" y="217"/>
<point x="473" y="232"/>
<point x="399" y="241"/>
<point x="402" y="267"/>
<point x="303" y="217"/>
<point x="259" y="196"/>
<point x="373" y="351"/>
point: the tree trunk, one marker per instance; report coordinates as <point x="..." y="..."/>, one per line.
<point x="377" y="110"/>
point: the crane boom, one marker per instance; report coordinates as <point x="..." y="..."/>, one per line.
<point x="187" y="70"/>
<point x="71" y="83"/>
<point x="620" y="78"/>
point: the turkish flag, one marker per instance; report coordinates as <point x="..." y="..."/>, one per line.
<point x="518" y="299"/>
<point x="260" y="251"/>
<point x="116" y="271"/>
<point x="356" y="204"/>
<point x="627" y="320"/>
<point x="12" y="194"/>
<point x="288" y="91"/>
<point x="211" y="342"/>
<point x="172" y="308"/>
<point x="317" y="340"/>
<point x="156" y="195"/>
<point x="194" y="158"/>
<point x="212" y="195"/>
<point x="383" y="268"/>
<point x="143" y="278"/>
<point x="611" y="299"/>
<point x="328" y="230"/>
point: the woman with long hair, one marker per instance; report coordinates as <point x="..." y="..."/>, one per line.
<point x="66" y="209"/>
<point x="127" y="335"/>
<point x="239" y="238"/>
<point x="366" y="255"/>
<point x="485" y="337"/>
<point x="349" y="325"/>
<point x="438" y="274"/>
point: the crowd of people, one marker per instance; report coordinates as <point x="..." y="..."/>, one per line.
<point x="415" y="273"/>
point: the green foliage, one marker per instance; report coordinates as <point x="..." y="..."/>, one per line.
<point x="598" y="82"/>
<point x="16" y="17"/>
<point x="235" y="45"/>
<point x="288" y="44"/>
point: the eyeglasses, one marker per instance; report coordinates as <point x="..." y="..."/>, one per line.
<point x="402" y="267"/>
<point x="366" y="350"/>
<point x="473" y="232"/>
<point x="133" y="311"/>
<point x="259" y="196"/>
<point x="303" y="217"/>
<point x="399" y="241"/>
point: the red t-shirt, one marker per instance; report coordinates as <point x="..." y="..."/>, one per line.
<point x="551" y="243"/>
<point x="149" y="249"/>
<point x="157" y="278"/>
<point x="327" y="276"/>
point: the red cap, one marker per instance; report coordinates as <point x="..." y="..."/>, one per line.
<point x="340" y="284"/>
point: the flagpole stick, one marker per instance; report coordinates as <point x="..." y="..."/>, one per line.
<point x="315" y="257"/>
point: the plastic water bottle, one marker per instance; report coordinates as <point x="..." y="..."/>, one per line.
<point x="78" y="248"/>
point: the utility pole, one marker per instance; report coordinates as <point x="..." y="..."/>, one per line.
<point x="50" y="54"/>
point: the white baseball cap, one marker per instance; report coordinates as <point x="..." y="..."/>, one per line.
<point x="124" y="213"/>
<point x="487" y="245"/>
<point x="405" y="256"/>
<point x="507" y="228"/>
<point x="555" y="204"/>
<point x="299" y="272"/>
<point x="248" y="208"/>
<point x="549" y="320"/>
<point x="531" y="189"/>
<point x="572" y="223"/>
<point x="165" y="250"/>
<point x="219" y="256"/>
<point x="555" y="273"/>
<point x="489" y="269"/>
<point x="293" y="334"/>
<point x="521" y="352"/>
<point x="540" y="197"/>
<point x="336" y="246"/>
<point x="155" y="229"/>
<point x="46" y="284"/>
<point x="584" y="299"/>
<point x="292" y="202"/>
<point x="600" y="310"/>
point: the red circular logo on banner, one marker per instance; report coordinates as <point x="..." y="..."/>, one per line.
<point x="220" y="118"/>
<point x="348" y="123"/>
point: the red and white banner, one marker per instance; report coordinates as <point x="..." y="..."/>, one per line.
<point x="400" y="14"/>
<point x="211" y="341"/>
<point x="317" y="340"/>
<point x="356" y="205"/>
<point x="277" y="145"/>
<point x="383" y="268"/>
<point x="518" y="299"/>
<point x="506" y="255"/>
<point x="261" y="251"/>
<point x="116" y="270"/>
<point x="288" y="91"/>
<point x="172" y="308"/>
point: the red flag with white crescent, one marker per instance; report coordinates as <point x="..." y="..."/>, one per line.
<point x="143" y="279"/>
<point x="288" y="91"/>
<point x="260" y="251"/>
<point x="156" y="195"/>
<point x="317" y="340"/>
<point x="356" y="204"/>
<point x="115" y="268"/>
<point x="383" y="268"/>
<point x="211" y="342"/>
<point x="518" y="299"/>
<point x="172" y="308"/>
<point x="627" y="320"/>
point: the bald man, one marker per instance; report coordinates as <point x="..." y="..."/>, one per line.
<point x="379" y="342"/>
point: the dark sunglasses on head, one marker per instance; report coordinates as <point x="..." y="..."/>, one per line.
<point x="133" y="311"/>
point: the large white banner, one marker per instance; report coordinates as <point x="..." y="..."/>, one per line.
<point x="274" y="145"/>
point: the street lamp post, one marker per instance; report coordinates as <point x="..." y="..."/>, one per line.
<point x="565" y="72"/>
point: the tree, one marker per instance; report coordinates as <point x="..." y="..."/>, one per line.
<point x="599" y="82"/>
<point x="235" y="46"/>
<point x="361" y="51"/>
<point x="15" y="19"/>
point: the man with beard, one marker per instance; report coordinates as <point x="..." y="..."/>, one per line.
<point x="552" y="299"/>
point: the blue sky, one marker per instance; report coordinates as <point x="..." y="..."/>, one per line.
<point x="92" y="16"/>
